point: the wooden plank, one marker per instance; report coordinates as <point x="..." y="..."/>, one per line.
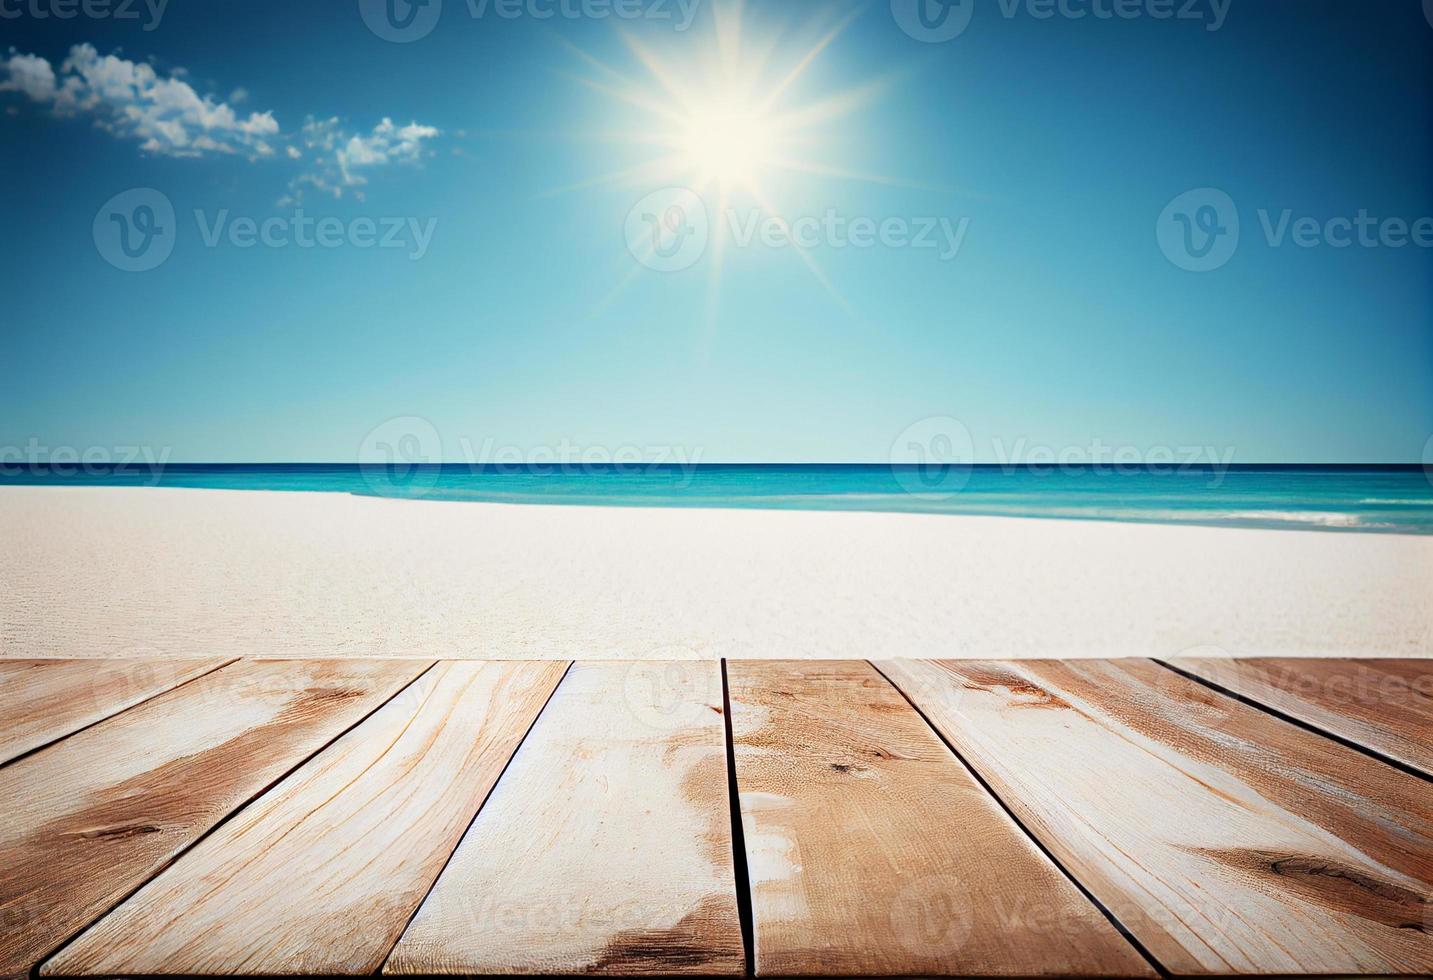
<point x="1225" y="839"/>
<point x="321" y="874"/>
<point x="44" y="700"/>
<point x="89" y="819"/>
<point x="873" y="851"/>
<point x="1383" y="705"/>
<point x="606" y="848"/>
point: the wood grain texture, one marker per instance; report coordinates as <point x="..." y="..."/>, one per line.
<point x="321" y="874"/>
<point x="1384" y="705"/>
<point x="43" y="700"/>
<point x="89" y="819"/>
<point x="607" y="846"/>
<point x="1225" y="839"/>
<point x="873" y="851"/>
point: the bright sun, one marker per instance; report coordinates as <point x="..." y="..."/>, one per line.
<point x="729" y="142"/>
<point x="721" y="119"/>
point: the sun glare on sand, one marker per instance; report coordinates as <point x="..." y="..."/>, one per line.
<point x="720" y="117"/>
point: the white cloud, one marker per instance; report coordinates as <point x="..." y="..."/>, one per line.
<point x="30" y="75"/>
<point x="341" y="156"/>
<point x="133" y="101"/>
<point x="167" y="117"/>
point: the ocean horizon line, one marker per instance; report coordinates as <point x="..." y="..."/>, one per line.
<point x="499" y="468"/>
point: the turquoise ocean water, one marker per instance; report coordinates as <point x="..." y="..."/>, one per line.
<point x="1387" y="499"/>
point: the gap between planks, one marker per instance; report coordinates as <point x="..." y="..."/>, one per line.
<point x="1307" y="726"/>
<point x="985" y="785"/>
<point x="507" y="765"/>
<point x="34" y="971"/>
<point x="738" y="835"/>
<point x="59" y="730"/>
<point x="739" y="853"/>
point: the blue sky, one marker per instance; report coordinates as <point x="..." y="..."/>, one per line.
<point x="516" y="308"/>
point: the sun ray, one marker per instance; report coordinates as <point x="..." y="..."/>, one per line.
<point x="727" y="116"/>
<point x="804" y="254"/>
<point x="633" y="176"/>
<point x="595" y="62"/>
<point x="807" y="60"/>
<point x="718" y="260"/>
<point x="834" y="107"/>
<point x="664" y="76"/>
<point x="632" y="98"/>
<point x="615" y="292"/>
<point x="797" y="165"/>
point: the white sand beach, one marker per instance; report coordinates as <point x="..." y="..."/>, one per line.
<point x="110" y="572"/>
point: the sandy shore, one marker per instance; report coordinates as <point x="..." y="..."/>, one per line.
<point x="100" y="572"/>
